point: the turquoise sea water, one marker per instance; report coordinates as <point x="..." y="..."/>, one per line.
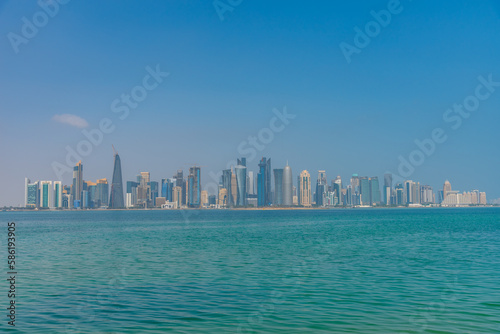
<point x="314" y="271"/>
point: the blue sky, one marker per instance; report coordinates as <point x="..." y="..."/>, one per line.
<point x="227" y="76"/>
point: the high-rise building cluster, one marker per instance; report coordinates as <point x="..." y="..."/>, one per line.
<point x="238" y="188"/>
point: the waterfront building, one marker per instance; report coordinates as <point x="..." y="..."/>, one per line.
<point x="482" y="198"/>
<point x="387" y="188"/>
<point x="337" y="189"/>
<point x="287" y="186"/>
<point x="177" y="196"/>
<point x="167" y="187"/>
<point x="154" y="191"/>
<point x="46" y="195"/>
<point x="278" y="186"/>
<point x="364" y="189"/>
<point x="204" y="199"/>
<point x="234" y="188"/>
<point x="321" y="188"/>
<point x="160" y="201"/>
<point x="194" y="184"/>
<point x="446" y="189"/>
<point x="58" y="194"/>
<point x="241" y="184"/>
<point x="374" y="191"/>
<point x="226" y="184"/>
<point x="264" y="182"/>
<point x="77" y="187"/>
<point x="212" y="200"/>
<point x="250" y="183"/>
<point x="116" y="197"/>
<point x="223" y="198"/>
<point x="102" y="193"/>
<point x="426" y="195"/>
<point x="400" y="194"/>
<point x="304" y="189"/>
<point x="31" y="194"/>
<point x="131" y="195"/>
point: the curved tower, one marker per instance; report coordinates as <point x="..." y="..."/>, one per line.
<point x="287" y="186"/>
<point x="116" y="197"/>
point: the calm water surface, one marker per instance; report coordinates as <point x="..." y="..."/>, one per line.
<point x="331" y="271"/>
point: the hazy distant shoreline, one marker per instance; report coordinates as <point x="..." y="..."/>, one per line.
<point x="253" y="209"/>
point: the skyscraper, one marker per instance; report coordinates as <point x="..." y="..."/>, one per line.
<point x="278" y="186"/>
<point x="167" y="187"/>
<point x="305" y="188"/>
<point x="102" y="193"/>
<point x="446" y="189"/>
<point x="321" y="187"/>
<point x="58" y="194"/>
<point x="250" y="183"/>
<point x="241" y="184"/>
<point x="409" y="192"/>
<point x="287" y="186"/>
<point x="234" y="188"/>
<point x="46" y="196"/>
<point x="364" y="189"/>
<point x="131" y="197"/>
<point x="387" y="188"/>
<point x="426" y="194"/>
<point x="143" y="189"/>
<point x="194" y="184"/>
<point x="337" y="189"/>
<point x="153" y="187"/>
<point x="242" y="162"/>
<point x="177" y="196"/>
<point x="179" y="182"/>
<point x="226" y="184"/>
<point x="264" y="182"/>
<point x="116" y="198"/>
<point x="374" y="191"/>
<point x="355" y="190"/>
<point x="77" y="188"/>
<point x="32" y="194"/>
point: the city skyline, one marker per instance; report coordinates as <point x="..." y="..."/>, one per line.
<point x="236" y="188"/>
<point x="213" y="88"/>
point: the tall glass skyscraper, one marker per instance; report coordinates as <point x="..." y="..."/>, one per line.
<point x="194" y="186"/>
<point x="287" y="186"/>
<point x="374" y="191"/>
<point x="364" y="189"/>
<point x="116" y="197"/>
<point x="241" y="184"/>
<point x="278" y="186"/>
<point x="77" y="188"/>
<point x="46" y="194"/>
<point x="387" y="188"/>
<point x="264" y="183"/>
<point x="321" y="187"/>
<point x="226" y="184"/>
<point x="32" y="194"/>
<point x="102" y="193"/>
<point x="167" y="187"/>
<point x="58" y="194"/>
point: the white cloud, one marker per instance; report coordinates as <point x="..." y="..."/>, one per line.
<point x="71" y="120"/>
